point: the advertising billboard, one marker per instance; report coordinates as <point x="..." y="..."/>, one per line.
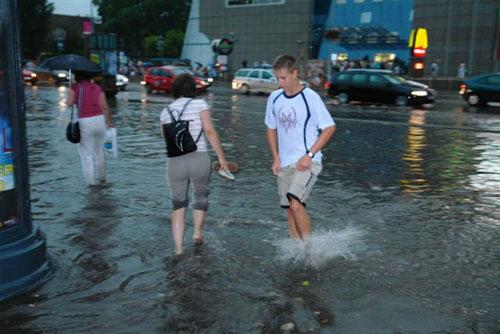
<point x="7" y="185"/>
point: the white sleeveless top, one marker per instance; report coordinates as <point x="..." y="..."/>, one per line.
<point x="192" y="114"/>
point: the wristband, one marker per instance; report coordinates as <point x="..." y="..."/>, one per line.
<point x="310" y="154"/>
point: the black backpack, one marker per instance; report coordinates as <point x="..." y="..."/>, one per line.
<point x="177" y="137"/>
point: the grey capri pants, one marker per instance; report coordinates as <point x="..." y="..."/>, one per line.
<point x="192" y="168"/>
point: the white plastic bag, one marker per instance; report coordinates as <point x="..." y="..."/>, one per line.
<point x="110" y="143"/>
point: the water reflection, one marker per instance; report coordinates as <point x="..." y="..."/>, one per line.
<point x="430" y="259"/>
<point x="415" y="179"/>
<point x="486" y="181"/>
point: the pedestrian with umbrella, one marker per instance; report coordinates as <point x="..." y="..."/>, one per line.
<point x="93" y="113"/>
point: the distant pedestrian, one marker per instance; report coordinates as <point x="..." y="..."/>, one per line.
<point x="191" y="168"/>
<point x="94" y="117"/>
<point x="462" y="70"/>
<point x="434" y="69"/>
<point x="298" y="127"/>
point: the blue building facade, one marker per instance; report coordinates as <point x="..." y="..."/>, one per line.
<point x="377" y="30"/>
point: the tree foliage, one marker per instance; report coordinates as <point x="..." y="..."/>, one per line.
<point x="136" y="20"/>
<point x="34" y="17"/>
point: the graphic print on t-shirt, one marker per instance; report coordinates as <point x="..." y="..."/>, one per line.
<point x="287" y="118"/>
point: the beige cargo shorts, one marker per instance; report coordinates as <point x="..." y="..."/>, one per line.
<point x="297" y="184"/>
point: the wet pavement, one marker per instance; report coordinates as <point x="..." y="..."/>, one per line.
<point x="406" y="219"/>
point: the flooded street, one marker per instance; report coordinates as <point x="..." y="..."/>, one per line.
<point x="406" y="221"/>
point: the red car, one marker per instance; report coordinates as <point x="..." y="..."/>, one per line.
<point x="160" y="78"/>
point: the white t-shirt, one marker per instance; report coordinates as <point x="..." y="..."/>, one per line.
<point x="192" y="114"/>
<point x="297" y="120"/>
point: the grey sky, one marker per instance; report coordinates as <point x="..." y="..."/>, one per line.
<point x="74" y="7"/>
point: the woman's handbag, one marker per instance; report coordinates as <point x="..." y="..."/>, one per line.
<point x="178" y="139"/>
<point x="73" y="128"/>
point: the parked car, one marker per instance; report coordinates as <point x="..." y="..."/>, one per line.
<point x="482" y="89"/>
<point x="256" y="80"/>
<point x="160" y="78"/>
<point x="379" y="86"/>
<point x="29" y="77"/>
<point x="121" y="81"/>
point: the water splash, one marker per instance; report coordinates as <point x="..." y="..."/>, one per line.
<point x="322" y="247"/>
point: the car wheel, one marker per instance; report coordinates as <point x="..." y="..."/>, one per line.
<point x="473" y="100"/>
<point x="343" y="98"/>
<point x="244" y="89"/>
<point x="401" y="101"/>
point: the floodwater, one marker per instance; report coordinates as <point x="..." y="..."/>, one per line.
<point x="406" y="219"/>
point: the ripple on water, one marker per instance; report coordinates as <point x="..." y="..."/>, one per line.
<point x="323" y="246"/>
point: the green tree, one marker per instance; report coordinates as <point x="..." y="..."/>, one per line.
<point x="174" y="39"/>
<point x="134" y="20"/>
<point x="34" y="16"/>
<point x="150" y="46"/>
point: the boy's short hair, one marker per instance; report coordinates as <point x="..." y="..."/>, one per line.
<point x="184" y="86"/>
<point x="285" y="61"/>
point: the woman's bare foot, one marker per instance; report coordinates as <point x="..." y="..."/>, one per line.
<point x="179" y="250"/>
<point x="198" y="241"/>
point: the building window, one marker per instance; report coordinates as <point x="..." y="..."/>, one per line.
<point x="341" y="2"/>
<point x="411" y="15"/>
<point x="377" y="0"/>
<point x="359" y="1"/>
<point x="366" y="17"/>
<point x="244" y="3"/>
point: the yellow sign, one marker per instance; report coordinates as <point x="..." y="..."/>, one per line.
<point x="418" y="38"/>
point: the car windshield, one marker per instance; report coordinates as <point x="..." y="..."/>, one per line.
<point x="395" y="79"/>
<point x="181" y="70"/>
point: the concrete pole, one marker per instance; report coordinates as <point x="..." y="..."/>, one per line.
<point x="449" y="21"/>
<point x="472" y="40"/>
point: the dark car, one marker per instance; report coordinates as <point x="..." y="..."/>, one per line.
<point x="29" y="77"/>
<point x="379" y="86"/>
<point x="482" y="89"/>
<point x="161" y="78"/>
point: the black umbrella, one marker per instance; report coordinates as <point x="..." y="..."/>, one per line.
<point x="71" y="62"/>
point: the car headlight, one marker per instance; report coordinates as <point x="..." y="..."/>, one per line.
<point x="61" y="75"/>
<point x="33" y="75"/>
<point x="125" y="80"/>
<point x="419" y="93"/>
<point x="210" y="79"/>
<point x="203" y="82"/>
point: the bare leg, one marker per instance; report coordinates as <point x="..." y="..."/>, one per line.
<point x="178" y="229"/>
<point x="301" y="217"/>
<point x="292" y="226"/>
<point x="198" y="220"/>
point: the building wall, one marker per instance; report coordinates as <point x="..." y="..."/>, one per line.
<point x="395" y="16"/>
<point x="261" y="32"/>
<point x="460" y="30"/>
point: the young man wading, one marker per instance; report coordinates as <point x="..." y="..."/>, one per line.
<point x="298" y="126"/>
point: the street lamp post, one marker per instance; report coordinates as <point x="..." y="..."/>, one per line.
<point x="23" y="258"/>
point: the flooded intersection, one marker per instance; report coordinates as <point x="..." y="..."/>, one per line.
<point x="406" y="218"/>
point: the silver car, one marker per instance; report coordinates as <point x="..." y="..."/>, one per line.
<point x="256" y="80"/>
